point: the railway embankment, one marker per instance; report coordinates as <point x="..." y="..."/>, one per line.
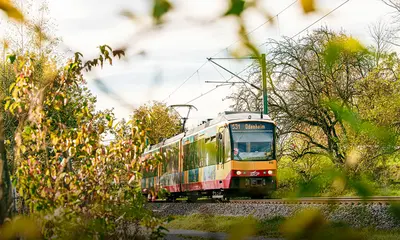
<point x="359" y="215"/>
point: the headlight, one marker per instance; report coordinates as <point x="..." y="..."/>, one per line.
<point x="238" y="172"/>
<point x="270" y="172"/>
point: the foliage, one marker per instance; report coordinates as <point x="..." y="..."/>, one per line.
<point x="295" y="178"/>
<point x="43" y="138"/>
<point x="68" y="178"/>
<point x="12" y="12"/>
<point x="159" y="121"/>
<point x="310" y="80"/>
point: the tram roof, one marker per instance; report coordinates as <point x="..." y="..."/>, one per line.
<point x="226" y="116"/>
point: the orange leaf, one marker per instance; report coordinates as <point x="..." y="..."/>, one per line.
<point x="11" y="11"/>
<point x="308" y="5"/>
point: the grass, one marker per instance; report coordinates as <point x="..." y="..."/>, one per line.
<point x="194" y="238"/>
<point x="246" y="226"/>
<point x="234" y="225"/>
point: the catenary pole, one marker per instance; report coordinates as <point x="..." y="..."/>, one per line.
<point x="264" y="82"/>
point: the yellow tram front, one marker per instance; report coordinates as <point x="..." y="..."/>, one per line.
<point x="253" y="165"/>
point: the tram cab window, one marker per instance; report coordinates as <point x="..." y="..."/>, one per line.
<point x="242" y="146"/>
<point x="227" y="144"/>
<point x="252" y="141"/>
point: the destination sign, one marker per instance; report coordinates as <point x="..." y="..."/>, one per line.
<point x="251" y="126"/>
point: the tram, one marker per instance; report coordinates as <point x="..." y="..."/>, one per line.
<point x="233" y="155"/>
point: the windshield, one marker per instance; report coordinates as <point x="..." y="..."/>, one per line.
<point x="253" y="141"/>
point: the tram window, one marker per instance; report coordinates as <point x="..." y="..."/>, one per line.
<point x="150" y="173"/>
<point x="253" y="141"/>
<point x="227" y="143"/>
<point x="211" y="149"/>
<point x="169" y="160"/>
<point x="202" y="152"/>
<point x="191" y="156"/>
<point x="242" y="146"/>
<point x="260" y="147"/>
<point x="164" y="161"/>
<point x="186" y="157"/>
<point x="174" y="157"/>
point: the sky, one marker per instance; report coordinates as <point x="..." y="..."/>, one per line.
<point x="176" y="51"/>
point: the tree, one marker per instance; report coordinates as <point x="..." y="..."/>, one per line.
<point x="383" y="37"/>
<point x="379" y="103"/>
<point x="163" y="122"/>
<point x="395" y="4"/>
<point x="33" y="37"/>
<point x="305" y="75"/>
<point x="246" y="98"/>
<point x="331" y="96"/>
<point x="101" y="187"/>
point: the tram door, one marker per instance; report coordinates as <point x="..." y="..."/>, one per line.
<point x="220" y="150"/>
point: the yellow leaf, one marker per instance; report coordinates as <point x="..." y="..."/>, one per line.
<point x="243" y="229"/>
<point x="308" y="5"/>
<point x="353" y="158"/>
<point x="11" y="11"/>
<point x="339" y="184"/>
<point x="306" y="224"/>
<point x="101" y="129"/>
<point x="22" y="148"/>
<point x="20" y="227"/>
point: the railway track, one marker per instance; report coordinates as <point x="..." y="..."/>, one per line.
<point x="309" y="200"/>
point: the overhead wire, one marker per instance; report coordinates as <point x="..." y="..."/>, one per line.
<point x="305" y="29"/>
<point x="253" y="30"/>
<point x="187" y="79"/>
<point x="216" y="69"/>
<point x="316" y="21"/>
<point x="215" y="88"/>
<point x="319" y="19"/>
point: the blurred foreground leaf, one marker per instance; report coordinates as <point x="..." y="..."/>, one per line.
<point x="384" y="136"/>
<point x="311" y="224"/>
<point x="362" y="188"/>
<point x="11" y="11"/>
<point x="243" y="230"/>
<point x="305" y="225"/>
<point x="20" y="227"/>
<point x="236" y="7"/>
<point x="340" y="45"/>
<point x="308" y="5"/>
<point x="160" y="8"/>
<point x="128" y="14"/>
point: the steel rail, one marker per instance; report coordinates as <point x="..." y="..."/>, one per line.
<point x="324" y="200"/>
<point x="383" y="200"/>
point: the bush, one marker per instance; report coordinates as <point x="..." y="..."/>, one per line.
<point x="70" y="180"/>
<point x="311" y="175"/>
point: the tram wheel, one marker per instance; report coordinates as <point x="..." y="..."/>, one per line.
<point x="192" y="199"/>
<point x="257" y="197"/>
<point x="171" y="199"/>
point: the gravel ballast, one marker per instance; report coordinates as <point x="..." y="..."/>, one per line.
<point x="362" y="215"/>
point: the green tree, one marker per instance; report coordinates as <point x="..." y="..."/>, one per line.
<point x="379" y="103"/>
<point x="308" y="75"/>
<point x="303" y="77"/>
<point x="163" y="122"/>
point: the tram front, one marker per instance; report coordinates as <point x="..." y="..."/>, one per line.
<point x="254" y="165"/>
